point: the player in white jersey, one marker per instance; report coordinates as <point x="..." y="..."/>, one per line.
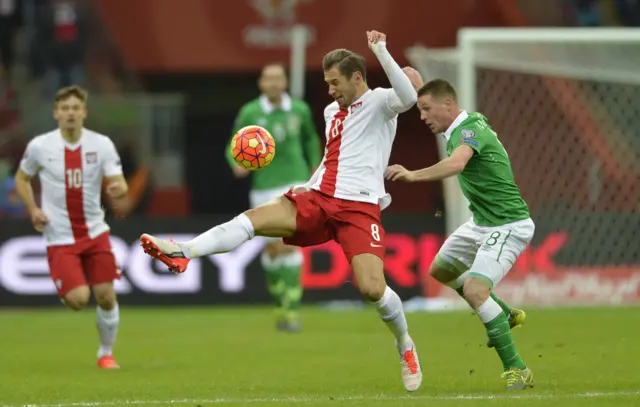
<point x="342" y="200"/>
<point x="71" y="163"/>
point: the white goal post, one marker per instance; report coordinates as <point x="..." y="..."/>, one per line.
<point x="539" y="85"/>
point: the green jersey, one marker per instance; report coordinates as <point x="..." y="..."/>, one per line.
<point x="487" y="180"/>
<point x="297" y="141"/>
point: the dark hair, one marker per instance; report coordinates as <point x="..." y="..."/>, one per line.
<point x="348" y="62"/>
<point x="438" y="88"/>
<point x="69" y="91"/>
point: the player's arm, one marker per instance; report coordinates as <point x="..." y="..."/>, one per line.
<point x="25" y="190"/>
<point x="402" y="96"/>
<point x="117" y="188"/>
<point x="448" y="167"/>
<point x="29" y="166"/>
<point x="240" y="122"/>
<point x="311" y="140"/>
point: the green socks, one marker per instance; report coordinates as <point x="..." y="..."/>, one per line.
<point x="500" y="334"/>
<point x="283" y="281"/>
<point x="505" y="308"/>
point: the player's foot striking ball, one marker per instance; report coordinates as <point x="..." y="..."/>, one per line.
<point x="475" y="258"/>
<point x="342" y="200"/>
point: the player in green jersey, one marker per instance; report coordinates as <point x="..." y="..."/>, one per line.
<point x="482" y="251"/>
<point x="297" y="155"/>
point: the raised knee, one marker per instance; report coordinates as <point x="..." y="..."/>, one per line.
<point x="435" y="271"/>
<point x="77" y="298"/>
<point x="476" y="291"/>
<point x="441" y="274"/>
<point x="76" y="303"/>
<point x="372" y="289"/>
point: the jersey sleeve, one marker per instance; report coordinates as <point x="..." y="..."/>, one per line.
<point x="311" y="138"/>
<point x="111" y="165"/>
<point x="468" y="136"/>
<point x="390" y="104"/>
<point x="242" y="120"/>
<point x="30" y="163"/>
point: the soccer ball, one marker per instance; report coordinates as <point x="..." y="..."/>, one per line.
<point x="253" y="147"/>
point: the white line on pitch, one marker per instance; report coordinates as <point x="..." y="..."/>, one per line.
<point x="312" y="399"/>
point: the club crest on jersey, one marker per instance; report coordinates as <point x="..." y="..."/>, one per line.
<point x="467" y="133"/>
<point x="91" y="157"/>
<point x="355" y="106"/>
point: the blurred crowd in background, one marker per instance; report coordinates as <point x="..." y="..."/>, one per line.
<point x="47" y="44"/>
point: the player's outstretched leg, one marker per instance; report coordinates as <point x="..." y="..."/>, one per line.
<point x="274" y="219"/>
<point x="451" y="276"/>
<point x="477" y="292"/>
<point x="369" y="272"/>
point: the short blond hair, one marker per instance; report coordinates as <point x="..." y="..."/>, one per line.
<point x="71" y="91"/>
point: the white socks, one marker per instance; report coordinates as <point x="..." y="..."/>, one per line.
<point x="489" y="310"/>
<point x="220" y="239"/>
<point x="389" y="308"/>
<point x="108" y="322"/>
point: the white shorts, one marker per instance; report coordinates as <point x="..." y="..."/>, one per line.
<point x="259" y="197"/>
<point x="488" y="252"/>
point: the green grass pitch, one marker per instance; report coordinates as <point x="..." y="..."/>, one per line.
<point x="233" y="357"/>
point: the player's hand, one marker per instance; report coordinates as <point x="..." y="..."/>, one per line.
<point x="375" y="37"/>
<point x="414" y="76"/>
<point x="239" y="171"/>
<point x="39" y="219"/>
<point x="399" y="173"/>
<point x="116" y="190"/>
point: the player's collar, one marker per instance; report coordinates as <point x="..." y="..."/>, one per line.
<point x="269" y="107"/>
<point x="69" y="145"/>
<point x="461" y="117"/>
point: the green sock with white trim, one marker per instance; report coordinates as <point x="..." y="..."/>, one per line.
<point x="499" y="333"/>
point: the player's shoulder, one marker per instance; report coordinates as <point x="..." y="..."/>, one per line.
<point x="331" y="110"/>
<point x="380" y="94"/>
<point x="251" y="106"/>
<point x="299" y="105"/>
<point x="94" y="135"/>
<point x="45" y="140"/>
<point x="98" y="139"/>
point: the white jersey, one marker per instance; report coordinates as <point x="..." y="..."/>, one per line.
<point x="359" y="140"/>
<point x="71" y="179"/>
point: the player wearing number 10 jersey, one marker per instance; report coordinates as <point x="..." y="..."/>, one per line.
<point x="477" y="255"/>
<point x="71" y="163"/>
<point x="342" y="200"/>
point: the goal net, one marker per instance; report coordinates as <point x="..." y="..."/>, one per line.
<point x="566" y="105"/>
